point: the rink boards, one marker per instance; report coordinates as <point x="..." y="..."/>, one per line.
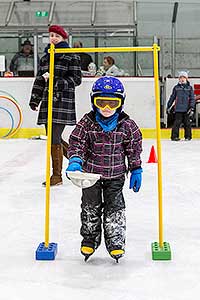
<point x="139" y="104"/>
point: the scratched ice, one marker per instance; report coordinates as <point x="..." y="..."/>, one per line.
<point x="136" y="277"/>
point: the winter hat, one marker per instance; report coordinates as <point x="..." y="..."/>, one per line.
<point x="59" y="30"/>
<point x="27" y="42"/>
<point x="183" y="74"/>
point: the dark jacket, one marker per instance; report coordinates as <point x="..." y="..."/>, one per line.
<point x="22" y="62"/>
<point x="67" y="75"/>
<point x="104" y="152"/>
<point x="86" y="59"/>
<point x="182" y="97"/>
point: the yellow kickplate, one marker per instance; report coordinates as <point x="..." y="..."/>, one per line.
<point x="87" y="250"/>
<point x="117" y="252"/>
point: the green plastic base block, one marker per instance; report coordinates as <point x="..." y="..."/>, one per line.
<point x="163" y="253"/>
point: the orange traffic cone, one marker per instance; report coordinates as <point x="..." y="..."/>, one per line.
<point x="152" y="156"/>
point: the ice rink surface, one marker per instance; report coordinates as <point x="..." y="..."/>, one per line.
<point x="136" y="277"/>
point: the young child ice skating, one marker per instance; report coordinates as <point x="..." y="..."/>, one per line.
<point x="183" y="102"/>
<point x="99" y="144"/>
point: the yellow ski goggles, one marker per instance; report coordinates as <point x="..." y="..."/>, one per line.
<point x="104" y="102"/>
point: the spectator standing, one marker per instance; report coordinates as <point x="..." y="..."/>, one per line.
<point x="182" y="101"/>
<point x="67" y="75"/>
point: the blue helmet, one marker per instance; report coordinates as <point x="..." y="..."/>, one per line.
<point x="108" y="86"/>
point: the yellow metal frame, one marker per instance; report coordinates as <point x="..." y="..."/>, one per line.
<point x="147" y="133"/>
<point x="155" y="48"/>
<point x="48" y="149"/>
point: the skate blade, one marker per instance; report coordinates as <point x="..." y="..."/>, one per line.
<point x="86" y="257"/>
<point x="117" y="259"/>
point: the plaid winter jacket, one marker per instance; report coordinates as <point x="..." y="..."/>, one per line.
<point x="67" y="75"/>
<point x="104" y="152"/>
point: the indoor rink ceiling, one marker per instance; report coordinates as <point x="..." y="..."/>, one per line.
<point x="149" y="17"/>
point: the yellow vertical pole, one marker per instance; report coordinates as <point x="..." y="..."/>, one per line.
<point x="158" y="135"/>
<point x="48" y="149"/>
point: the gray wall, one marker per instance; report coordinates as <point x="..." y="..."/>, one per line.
<point x="153" y="18"/>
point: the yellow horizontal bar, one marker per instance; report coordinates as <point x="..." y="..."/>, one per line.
<point x="150" y="133"/>
<point x="24" y="133"/>
<point x="105" y="49"/>
<point x="147" y="133"/>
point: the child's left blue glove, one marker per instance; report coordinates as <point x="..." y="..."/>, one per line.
<point x="136" y="180"/>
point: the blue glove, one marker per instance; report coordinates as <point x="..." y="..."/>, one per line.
<point x="136" y="180"/>
<point x="75" y="164"/>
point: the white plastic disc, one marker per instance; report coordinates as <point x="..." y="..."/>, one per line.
<point x="83" y="180"/>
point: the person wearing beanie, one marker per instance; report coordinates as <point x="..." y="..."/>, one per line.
<point x="182" y="102"/>
<point x="67" y="75"/>
<point x="100" y="143"/>
<point x="59" y="30"/>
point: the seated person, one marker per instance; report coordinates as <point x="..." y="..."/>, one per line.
<point x="86" y="59"/>
<point x="109" y="68"/>
<point x="23" y="60"/>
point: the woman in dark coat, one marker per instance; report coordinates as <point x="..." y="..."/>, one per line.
<point x="67" y="75"/>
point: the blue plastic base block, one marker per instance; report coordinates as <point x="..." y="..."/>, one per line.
<point x="43" y="253"/>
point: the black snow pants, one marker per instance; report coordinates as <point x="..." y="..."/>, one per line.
<point x="181" y="117"/>
<point x="104" y="199"/>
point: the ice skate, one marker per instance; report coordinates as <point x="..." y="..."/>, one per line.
<point x="87" y="251"/>
<point x="176" y="139"/>
<point x="117" y="254"/>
